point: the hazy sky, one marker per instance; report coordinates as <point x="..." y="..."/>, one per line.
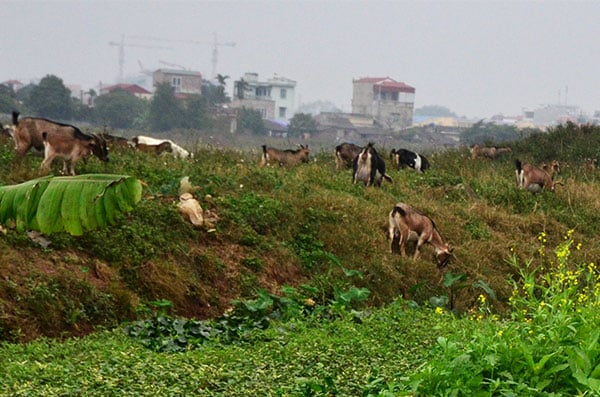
<point x="477" y="58"/>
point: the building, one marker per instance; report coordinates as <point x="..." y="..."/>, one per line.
<point x="274" y="98"/>
<point x="133" y="89"/>
<point x="389" y="102"/>
<point x="14" y="85"/>
<point x="184" y="82"/>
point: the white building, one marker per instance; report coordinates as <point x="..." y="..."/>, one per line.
<point x="274" y="98"/>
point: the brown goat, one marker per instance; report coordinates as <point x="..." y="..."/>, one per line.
<point x="535" y="179"/>
<point x="156" y="149"/>
<point x="285" y="158"/>
<point x="56" y="140"/>
<point x="71" y="148"/>
<point x="488" y="152"/>
<point x="345" y="155"/>
<point x="406" y="223"/>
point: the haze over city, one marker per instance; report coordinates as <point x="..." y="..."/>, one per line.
<point x="477" y="58"/>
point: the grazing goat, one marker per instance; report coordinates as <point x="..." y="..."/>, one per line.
<point x="488" y="152"/>
<point x="591" y="164"/>
<point x="176" y="150"/>
<point x="345" y="155"/>
<point x="405" y="158"/>
<point x="162" y="147"/>
<point x="284" y="158"/>
<point x="70" y="148"/>
<point x="536" y="179"/>
<point x="369" y="167"/>
<point x="408" y="224"/>
<point x="56" y="140"/>
<point x="114" y="141"/>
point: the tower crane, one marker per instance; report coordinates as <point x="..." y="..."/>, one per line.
<point x="215" y="47"/>
<point x="122" y="46"/>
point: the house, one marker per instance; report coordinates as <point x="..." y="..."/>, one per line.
<point x="274" y="98"/>
<point x="133" y="89"/>
<point x="14" y="85"/>
<point x="389" y="102"/>
<point x="350" y="127"/>
<point x="184" y="82"/>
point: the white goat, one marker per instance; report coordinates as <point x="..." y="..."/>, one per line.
<point x="176" y="150"/>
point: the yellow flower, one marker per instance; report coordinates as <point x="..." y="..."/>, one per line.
<point x="481" y="298"/>
<point x="439" y="310"/>
<point x="500" y="333"/>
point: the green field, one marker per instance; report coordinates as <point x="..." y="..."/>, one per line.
<point x="297" y="290"/>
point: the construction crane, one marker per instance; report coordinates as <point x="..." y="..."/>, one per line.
<point x="122" y="46"/>
<point x="173" y="65"/>
<point x="215" y="47"/>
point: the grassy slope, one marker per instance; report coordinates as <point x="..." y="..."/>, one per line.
<point x="275" y="226"/>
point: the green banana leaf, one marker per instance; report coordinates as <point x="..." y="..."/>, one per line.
<point x="74" y="204"/>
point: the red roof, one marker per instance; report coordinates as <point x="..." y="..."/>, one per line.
<point x="386" y="84"/>
<point x="131" y="88"/>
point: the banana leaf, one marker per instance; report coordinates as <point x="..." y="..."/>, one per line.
<point x="74" y="204"/>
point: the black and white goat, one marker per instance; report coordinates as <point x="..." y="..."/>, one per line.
<point x="407" y="224"/>
<point x="369" y="167"/>
<point x="405" y="158"/>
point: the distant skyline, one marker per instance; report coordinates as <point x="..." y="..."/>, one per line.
<point x="477" y="58"/>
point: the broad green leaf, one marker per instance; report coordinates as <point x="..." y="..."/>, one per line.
<point x="73" y="204"/>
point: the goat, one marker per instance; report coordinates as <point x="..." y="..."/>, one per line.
<point x="536" y="179"/>
<point x="28" y="133"/>
<point x="70" y="148"/>
<point x="369" y="167"/>
<point x="488" y="152"/>
<point x="176" y="150"/>
<point x="405" y="158"/>
<point x="408" y="224"/>
<point x="114" y="141"/>
<point x="162" y="147"/>
<point x="591" y="164"/>
<point x="285" y="158"/>
<point x="345" y="155"/>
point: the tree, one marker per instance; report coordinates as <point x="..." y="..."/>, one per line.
<point x="214" y="94"/>
<point x="489" y="133"/>
<point x="8" y="101"/>
<point x="302" y="123"/>
<point x="434" y="111"/>
<point x="50" y="98"/>
<point x="222" y="83"/>
<point x="119" y="109"/>
<point x="251" y="120"/>
<point x="195" y="113"/>
<point x="166" y="112"/>
<point x="240" y="88"/>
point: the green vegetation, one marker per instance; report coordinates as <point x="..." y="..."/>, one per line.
<point x="294" y="291"/>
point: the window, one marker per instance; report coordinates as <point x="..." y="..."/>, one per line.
<point x="263" y="92"/>
<point x="176" y="83"/>
<point x="282" y="113"/>
<point x="283" y="93"/>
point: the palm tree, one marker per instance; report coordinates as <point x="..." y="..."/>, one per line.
<point x="241" y="86"/>
<point x="222" y="82"/>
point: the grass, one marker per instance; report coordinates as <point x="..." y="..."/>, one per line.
<point x="310" y="226"/>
